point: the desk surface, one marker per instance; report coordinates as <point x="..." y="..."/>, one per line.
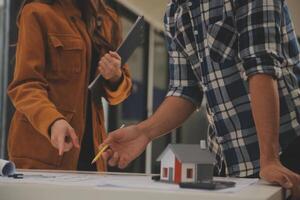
<point x="27" y="189"/>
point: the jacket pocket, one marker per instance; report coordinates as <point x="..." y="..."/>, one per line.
<point x="65" y="54"/>
<point x="223" y="40"/>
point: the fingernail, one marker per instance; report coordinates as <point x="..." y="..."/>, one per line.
<point x="288" y="185"/>
<point x="121" y="166"/>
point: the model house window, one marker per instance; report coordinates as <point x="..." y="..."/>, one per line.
<point x="165" y="172"/>
<point x="189" y="173"/>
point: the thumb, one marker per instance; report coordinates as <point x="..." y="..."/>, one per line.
<point x="118" y="135"/>
<point x="115" y="136"/>
<point x="107" y="141"/>
<point x="74" y="137"/>
<point x="115" y="55"/>
<point x="112" y="137"/>
<point x="286" y="183"/>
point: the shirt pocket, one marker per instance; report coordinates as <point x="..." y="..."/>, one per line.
<point x="66" y="54"/>
<point x="222" y="40"/>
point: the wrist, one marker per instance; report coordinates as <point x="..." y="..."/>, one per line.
<point x="269" y="160"/>
<point x="146" y="130"/>
<point x="116" y="79"/>
<point x="269" y="152"/>
<point x="53" y="124"/>
<point x="115" y="82"/>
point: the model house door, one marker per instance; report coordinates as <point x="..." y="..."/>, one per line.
<point x="171" y="171"/>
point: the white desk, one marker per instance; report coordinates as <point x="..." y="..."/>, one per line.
<point x="15" y="190"/>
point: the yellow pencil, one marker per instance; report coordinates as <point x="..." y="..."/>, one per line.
<point x="102" y="150"/>
<point x="99" y="154"/>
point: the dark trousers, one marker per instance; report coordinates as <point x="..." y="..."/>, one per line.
<point x="87" y="153"/>
<point x="290" y="158"/>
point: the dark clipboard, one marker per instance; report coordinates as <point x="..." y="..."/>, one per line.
<point x="134" y="38"/>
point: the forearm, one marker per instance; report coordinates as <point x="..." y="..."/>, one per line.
<point x="265" y="110"/>
<point x="170" y="115"/>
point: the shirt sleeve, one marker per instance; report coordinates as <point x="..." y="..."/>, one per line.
<point x="259" y="28"/>
<point x="182" y="81"/>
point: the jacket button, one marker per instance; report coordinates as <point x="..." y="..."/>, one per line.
<point x="72" y="18"/>
<point x="99" y="21"/>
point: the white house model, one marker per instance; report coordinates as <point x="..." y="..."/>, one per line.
<point x="186" y="163"/>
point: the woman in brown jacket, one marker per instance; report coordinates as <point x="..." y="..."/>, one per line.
<point x="57" y="124"/>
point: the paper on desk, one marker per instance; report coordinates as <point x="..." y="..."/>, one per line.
<point x="137" y="182"/>
<point x="90" y="180"/>
<point x="147" y="183"/>
<point x="116" y="181"/>
<point x="64" y="179"/>
<point x="7" y="168"/>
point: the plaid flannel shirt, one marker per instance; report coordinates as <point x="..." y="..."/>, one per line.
<point x="214" y="47"/>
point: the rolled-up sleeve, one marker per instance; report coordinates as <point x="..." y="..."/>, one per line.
<point x="182" y="81"/>
<point x="118" y="95"/>
<point x="259" y="28"/>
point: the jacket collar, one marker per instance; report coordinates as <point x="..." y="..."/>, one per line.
<point x="101" y="10"/>
<point x="70" y="8"/>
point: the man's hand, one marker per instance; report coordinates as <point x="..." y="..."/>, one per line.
<point x="63" y="136"/>
<point x="275" y="172"/>
<point x="125" y="144"/>
<point x="128" y="143"/>
<point x="265" y="109"/>
<point x="110" y="67"/>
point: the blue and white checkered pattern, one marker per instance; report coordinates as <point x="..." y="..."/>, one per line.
<point x="214" y="47"/>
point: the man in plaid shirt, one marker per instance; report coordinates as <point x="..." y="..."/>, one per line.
<point x="239" y="55"/>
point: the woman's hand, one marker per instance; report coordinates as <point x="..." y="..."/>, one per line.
<point x="63" y="136"/>
<point x="110" y="67"/>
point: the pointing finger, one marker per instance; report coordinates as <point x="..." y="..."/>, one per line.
<point x="74" y="137"/>
<point x="60" y="144"/>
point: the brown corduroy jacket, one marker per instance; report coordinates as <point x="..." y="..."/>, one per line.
<point x="50" y="82"/>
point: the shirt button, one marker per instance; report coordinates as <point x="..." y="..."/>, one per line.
<point x="196" y="32"/>
<point x="99" y="21"/>
<point x="244" y="76"/>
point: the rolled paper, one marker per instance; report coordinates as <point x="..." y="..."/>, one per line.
<point x="7" y="168"/>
